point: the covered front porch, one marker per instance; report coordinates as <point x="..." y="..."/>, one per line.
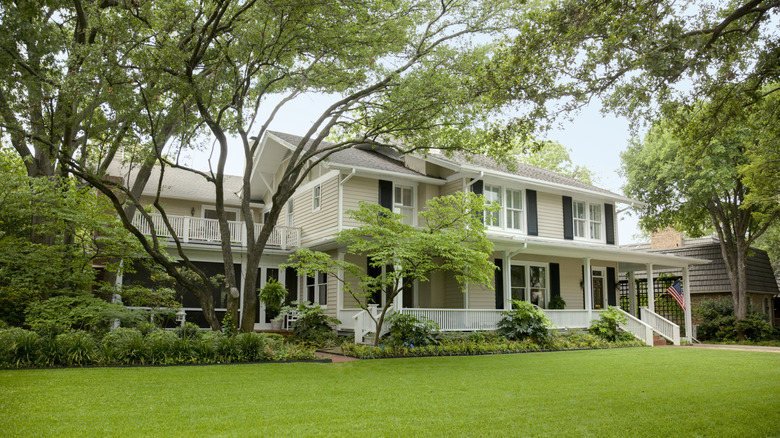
<point x="546" y="274"/>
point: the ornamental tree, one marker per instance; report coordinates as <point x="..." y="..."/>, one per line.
<point x="452" y="239"/>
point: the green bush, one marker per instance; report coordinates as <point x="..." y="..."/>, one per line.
<point x="124" y="346"/>
<point x="161" y="345"/>
<point x="189" y="331"/>
<point x="252" y="347"/>
<point x="607" y="327"/>
<point x="76" y="348"/>
<point x="524" y="321"/>
<point x="411" y="331"/>
<point x="18" y="347"/>
<point x="556" y="303"/>
<point x="312" y="325"/>
<point x="80" y="312"/>
<point x="720" y="325"/>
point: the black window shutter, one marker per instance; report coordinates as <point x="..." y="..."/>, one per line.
<point x="583" y="287"/>
<point x="533" y="217"/>
<point x="555" y="280"/>
<point x="499" y="273"/>
<point x="611" y="286"/>
<point x="568" y="219"/>
<point x="375" y="272"/>
<point x="478" y="188"/>
<point x="609" y="215"/>
<point x="386" y="194"/>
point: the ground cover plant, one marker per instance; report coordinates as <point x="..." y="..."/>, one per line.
<point x="619" y="392"/>
<point x="21" y="348"/>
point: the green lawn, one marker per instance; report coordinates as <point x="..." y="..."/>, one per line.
<point x="624" y="392"/>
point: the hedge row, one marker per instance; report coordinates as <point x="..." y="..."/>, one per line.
<point x="126" y="346"/>
<point x="461" y="347"/>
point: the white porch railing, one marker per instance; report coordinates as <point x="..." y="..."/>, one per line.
<point x="201" y="230"/>
<point x="663" y="326"/>
<point x="364" y="324"/>
<point x="459" y="320"/>
<point x="572" y="318"/>
<point x="641" y="330"/>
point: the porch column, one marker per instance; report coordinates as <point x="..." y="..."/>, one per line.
<point x="507" y="273"/>
<point x="688" y="305"/>
<point x="587" y="284"/>
<point x="339" y="287"/>
<point x="650" y="288"/>
<point x="632" y="293"/>
<point x="241" y="291"/>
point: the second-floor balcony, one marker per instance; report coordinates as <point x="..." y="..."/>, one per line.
<point x="200" y="230"/>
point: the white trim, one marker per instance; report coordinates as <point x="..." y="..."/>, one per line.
<point x="205" y="207"/>
<point x="304" y="188"/>
<point x="604" y="289"/>
<point x="316" y="198"/>
<point x="527" y="265"/>
<point x="386" y="174"/>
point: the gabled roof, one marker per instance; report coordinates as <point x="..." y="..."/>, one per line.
<point x="386" y="160"/>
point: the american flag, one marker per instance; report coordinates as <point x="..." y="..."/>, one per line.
<point x="675" y="290"/>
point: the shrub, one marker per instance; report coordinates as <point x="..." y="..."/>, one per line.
<point x="720" y="324"/>
<point x="409" y="330"/>
<point x="18" y="347"/>
<point x="161" y="345"/>
<point x="524" y="321"/>
<point x="312" y="324"/>
<point x="124" y="346"/>
<point x="76" y="348"/>
<point x="607" y="327"/>
<point x="81" y="312"/>
<point x="252" y="347"/>
<point x="189" y="331"/>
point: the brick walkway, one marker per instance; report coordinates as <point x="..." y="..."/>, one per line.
<point x="737" y="347"/>
<point x="334" y="356"/>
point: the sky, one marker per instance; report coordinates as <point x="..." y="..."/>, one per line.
<point x="594" y="140"/>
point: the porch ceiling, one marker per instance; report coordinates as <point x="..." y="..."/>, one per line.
<point x="627" y="260"/>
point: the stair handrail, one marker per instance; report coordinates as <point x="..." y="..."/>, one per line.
<point x="661" y="325"/>
<point x="637" y="327"/>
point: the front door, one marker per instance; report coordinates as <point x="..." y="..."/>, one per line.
<point x="599" y="288"/>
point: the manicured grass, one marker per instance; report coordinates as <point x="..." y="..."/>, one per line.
<point x="622" y="392"/>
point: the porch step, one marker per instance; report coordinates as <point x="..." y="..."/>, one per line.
<point x="659" y="340"/>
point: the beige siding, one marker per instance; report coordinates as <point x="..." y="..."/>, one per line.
<point x="414" y="163"/>
<point x="452" y="187"/>
<point x="453" y="294"/>
<point x="349" y="300"/>
<point x="355" y="190"/>
<point x="550" y="213"/>
<point x="325" y="218"/>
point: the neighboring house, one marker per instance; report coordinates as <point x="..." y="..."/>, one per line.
<point x="711" y="281"/>
<point x="550" y="230"/>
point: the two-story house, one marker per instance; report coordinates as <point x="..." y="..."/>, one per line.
<point x="554" y="236"/>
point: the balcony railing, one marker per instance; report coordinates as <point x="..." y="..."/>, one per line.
<point x="200" y="230"/>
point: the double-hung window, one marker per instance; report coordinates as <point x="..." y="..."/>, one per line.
<point x="514" y="209"/>
<point x="317" y="288"/>
<point x="290" y="213"/>
<point x="588" y="220"/>
<point x="403" y="203"/>
<point x="529" y="282"/>
<point x="316" y="197"/>
<point x="492" y="195"/>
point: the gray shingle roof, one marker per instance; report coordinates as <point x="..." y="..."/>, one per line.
<point x="523" y="170"/>
<point x="714" y="276"/>
<point x="388" y="160"/>
<point x="181" y="184"/>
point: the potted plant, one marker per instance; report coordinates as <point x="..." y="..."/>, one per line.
<point x="556" y="303"/>
<point x="273" y="294"/>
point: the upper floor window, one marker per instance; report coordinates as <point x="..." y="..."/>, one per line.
<point x="492" y="195"/>
<point x="514" y="209"/>
<point x="316" y="197"/>
<point x="290" y="215"/>
<point x="588" y="220"/>
<point x="403" y="203"/>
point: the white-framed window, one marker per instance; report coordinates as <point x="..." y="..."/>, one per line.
<point x="403" y="203"/>
<point x="210" y="212"/>
<point x="317" y="289"/>
<point x="290" y="213"/>
<point x="529" y="282"/>
<point x="316" y="197"/>
<point x="514" y="209"/>
<point x="492" y="195"/>
<point x="588" y="220"/>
